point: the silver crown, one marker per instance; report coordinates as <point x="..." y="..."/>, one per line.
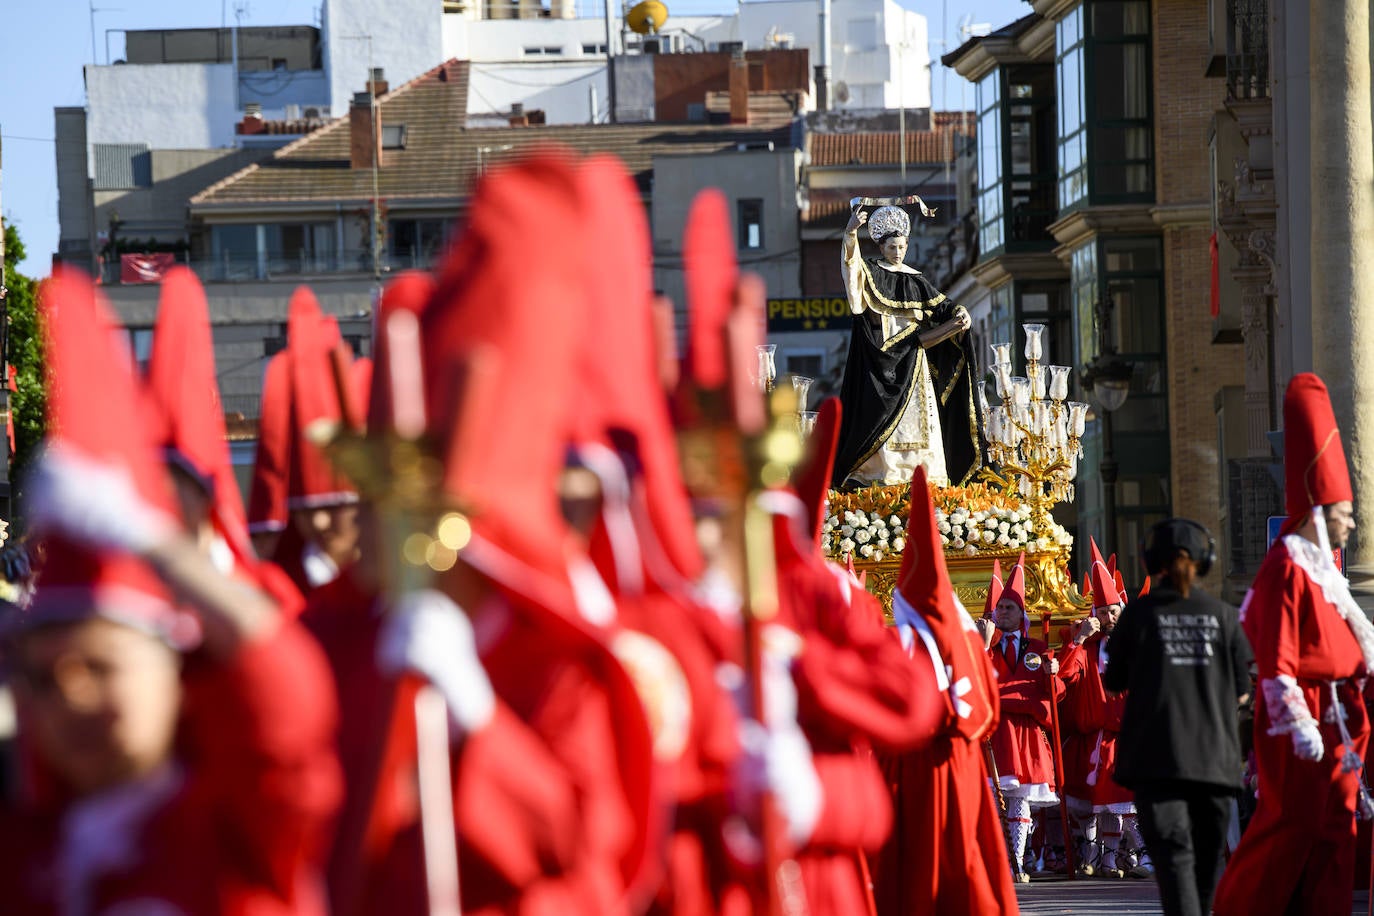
<point x="887" y="220"/>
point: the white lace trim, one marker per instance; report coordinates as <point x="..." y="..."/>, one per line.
<point x="1288" y="709"/>
<point x="1321" y="569"/>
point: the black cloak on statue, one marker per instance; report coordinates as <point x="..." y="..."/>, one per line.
<point x="879" y="377"/>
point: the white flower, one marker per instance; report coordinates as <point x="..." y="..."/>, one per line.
<point x="900" y="543"/>
<point x="959" y="517"/>
<point x="1004" y="527"/>
<point x="877" y="556"/>
<point x="846" y="546"/>
<point x="895" y="522"/>
<point x="866" y="550"/>
<point x="863" y="535"/>
<point x="991" y="524"/>
<point x="943" y="526"/>
<point x="944" y="540"/>
<point x="957" y="531"/>
<point x="847" y="531"/>
<point x="957" y="542"/>
<point x="970" y="550"/>
<point x="992" y="537"/>
<point x="1003" y="540"/>
<point x="1043" y="544"/>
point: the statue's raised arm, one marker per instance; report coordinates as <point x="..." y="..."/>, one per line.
<point x="908" y="388"/>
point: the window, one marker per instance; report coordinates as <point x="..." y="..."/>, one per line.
<point x="990" y="191"/>
<point x="1105" y="112"/>
<point x="803" y="362"/>
<point x="598" y="50"/>
<point x="300" y="247"/>
<point x="750" y="223"/>
<point x="393" y="136"/>
<point x="279" y="63"/>
<point x="1073" y="133"/>
<point x="415" y="242"/>
<point x="140" y="344"/>
<point x="543" y="51"/>
<point x="235" y="251"/>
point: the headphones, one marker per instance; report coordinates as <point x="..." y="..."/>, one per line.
<point x="1174" y="534"/>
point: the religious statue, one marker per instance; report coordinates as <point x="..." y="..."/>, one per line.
<point x="908" y="392"/>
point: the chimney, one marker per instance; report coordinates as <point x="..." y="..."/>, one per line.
<point x="739" y="88"/>
<point x="364" y="143"/>
<point x="252" y="122"/>
<point x="377" y="84"/>
<point x="518" y="118"/>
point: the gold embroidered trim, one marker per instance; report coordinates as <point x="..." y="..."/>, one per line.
<point x="878" y="443"/>
<point x="1307" y="471"/>
<point x="900" y="336"/>
<point x="881" y="304"/>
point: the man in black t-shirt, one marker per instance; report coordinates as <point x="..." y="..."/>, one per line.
<point x="1184" y="661"/>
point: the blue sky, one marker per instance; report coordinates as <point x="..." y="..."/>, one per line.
<point x="44" y="44"/>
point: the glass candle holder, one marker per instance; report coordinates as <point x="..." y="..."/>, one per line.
<point x="1037" y="380"/>
<point x="768" y="369"/>
<point x="1001" y="354"/>
<point x="983" y="397"/>
<point x="1003" y="374"/>
<point x="1035" y="340"/>
<point x="1078" y="418"/>
<point x="1059" y="382"/>
<point x="1020" y="391"/>
<point x="801" y="384"/>
<point x="807" y="421"/>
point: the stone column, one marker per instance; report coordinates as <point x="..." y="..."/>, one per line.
<point x="1342" y="199"/>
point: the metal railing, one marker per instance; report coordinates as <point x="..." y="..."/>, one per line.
<point x="1247" y="49"/>
<point x="268" y="266"/>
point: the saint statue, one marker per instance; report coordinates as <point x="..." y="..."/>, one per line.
<point x="908" y="392"/>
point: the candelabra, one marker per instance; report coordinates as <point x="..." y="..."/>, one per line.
<point x="1034" y="434"/>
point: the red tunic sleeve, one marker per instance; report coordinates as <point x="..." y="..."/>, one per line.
<point x="853" y="677"/>
<point x="261" y="731"/>
<point x="1270" y="615"/>
<point x="856" y="810"/>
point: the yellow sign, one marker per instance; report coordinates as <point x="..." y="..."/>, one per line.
<point x="814" y="313"/>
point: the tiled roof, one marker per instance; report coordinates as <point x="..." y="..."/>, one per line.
<point x="829" y="207"/>
<point x="937" y="145"/>
<point x="441" y="157"/>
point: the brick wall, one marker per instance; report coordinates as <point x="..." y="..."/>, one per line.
<point x="684" y="79"/>
<point x="1198" y="368"/>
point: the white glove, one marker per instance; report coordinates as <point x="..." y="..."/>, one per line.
<point x="1307" y="741"/>
<point x="430" y="635"/>
<point x="780" y="647"/>
<point x="93" y="502"/>
<point x="779" y="761"/>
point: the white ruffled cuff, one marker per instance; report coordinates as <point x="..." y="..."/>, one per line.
<point x="1288" y="710"/>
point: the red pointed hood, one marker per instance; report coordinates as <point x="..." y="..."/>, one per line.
<point x="811" y="478"/>
<point x="272" y="461"/>
<point x="1144" y="589"/>
<point x="493" y="307"/>
<point x="1104" y="586"/>
<point x="95" y="412"/>
<point x="712" y="275"/>
<point x="396" y="397"/>
<point x="1315" y="471"/>
<point x="621" y="402"/>
<point x="924" y="589"/>
<point x="184" y="393"/>
<point x="994" y="589"/>
<point x="1014" y="589"/>
<point x="311" y="337"/>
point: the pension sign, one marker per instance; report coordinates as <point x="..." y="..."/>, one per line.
<point x="814" y="313"/>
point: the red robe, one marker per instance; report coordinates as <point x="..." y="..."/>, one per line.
<point x="856" y="695"/>
<point x="1021" y="745"/>
<point x="236" y="825"/>
<point x="1298" y="853"/>
<point x="1090" y="722"/>
<point x="947" y="853"/>
<point x="542" y="816"/>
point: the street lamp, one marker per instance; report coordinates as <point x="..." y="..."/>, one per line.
<point x="1109" y="377"/>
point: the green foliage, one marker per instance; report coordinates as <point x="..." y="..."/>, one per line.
<point x="29" y="405"/>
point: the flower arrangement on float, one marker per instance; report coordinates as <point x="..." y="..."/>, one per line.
<point x="870" y="524"/>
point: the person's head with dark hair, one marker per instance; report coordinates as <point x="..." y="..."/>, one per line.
<point x="1179" y="550"/>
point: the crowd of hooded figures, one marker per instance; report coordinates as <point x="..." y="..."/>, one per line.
<point x="526" y="614"/>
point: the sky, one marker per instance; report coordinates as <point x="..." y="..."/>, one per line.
<point x="45" y="43"/>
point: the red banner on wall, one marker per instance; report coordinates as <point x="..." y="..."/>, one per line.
<point x="145" y="268"/>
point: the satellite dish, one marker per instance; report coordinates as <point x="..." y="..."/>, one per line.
<point x="647" y="16"/>
<point x="842" y="92"/>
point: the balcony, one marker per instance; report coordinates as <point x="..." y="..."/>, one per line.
<point x="1247" y="49"/>
<point x="286" y="266"/>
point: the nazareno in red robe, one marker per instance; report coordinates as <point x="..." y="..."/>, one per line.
<point x="236" y="825"/>
<point x="542" y="817"/>
<point x="1021" y="745"/>
<point x="1090" y="720"/>
<point x="1299" y="848"/>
